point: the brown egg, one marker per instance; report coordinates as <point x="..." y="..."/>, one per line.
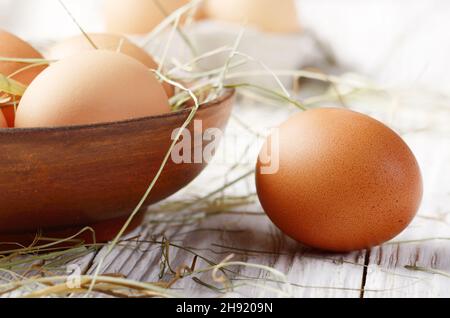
<point x="137" y="16"/>
<point x="13" y="47"/>
<point x="93" y="87"/>
<point x="268" y="15"/>
<point x="111" y="42"/>
<point x="344" y="180"/>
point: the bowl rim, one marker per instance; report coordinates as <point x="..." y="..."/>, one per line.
<point x="226" y="95"/>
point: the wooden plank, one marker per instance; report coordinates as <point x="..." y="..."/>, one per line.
<point x="251" y="239"/>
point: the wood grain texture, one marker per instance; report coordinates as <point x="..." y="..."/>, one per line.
<point x="250" y="239"/>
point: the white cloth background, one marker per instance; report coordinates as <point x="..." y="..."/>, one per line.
<point x="402" y="42"/>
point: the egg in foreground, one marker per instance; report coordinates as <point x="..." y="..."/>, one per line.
<point x="111" y="42"/>
<point x="13" y="47"/>
<point x="137" y="16"/>
<point x="269" y="15"/>
<point x="93" y="87"/>
<point x="338" y="180"/>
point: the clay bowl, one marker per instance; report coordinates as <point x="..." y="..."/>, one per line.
<point x="59" y="180"/>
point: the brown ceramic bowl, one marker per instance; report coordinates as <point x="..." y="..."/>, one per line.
<point x="61" y="179"/>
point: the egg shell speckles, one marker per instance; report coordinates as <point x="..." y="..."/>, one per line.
<point x="93" y="87"/>
<point x="345" y="181"/>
